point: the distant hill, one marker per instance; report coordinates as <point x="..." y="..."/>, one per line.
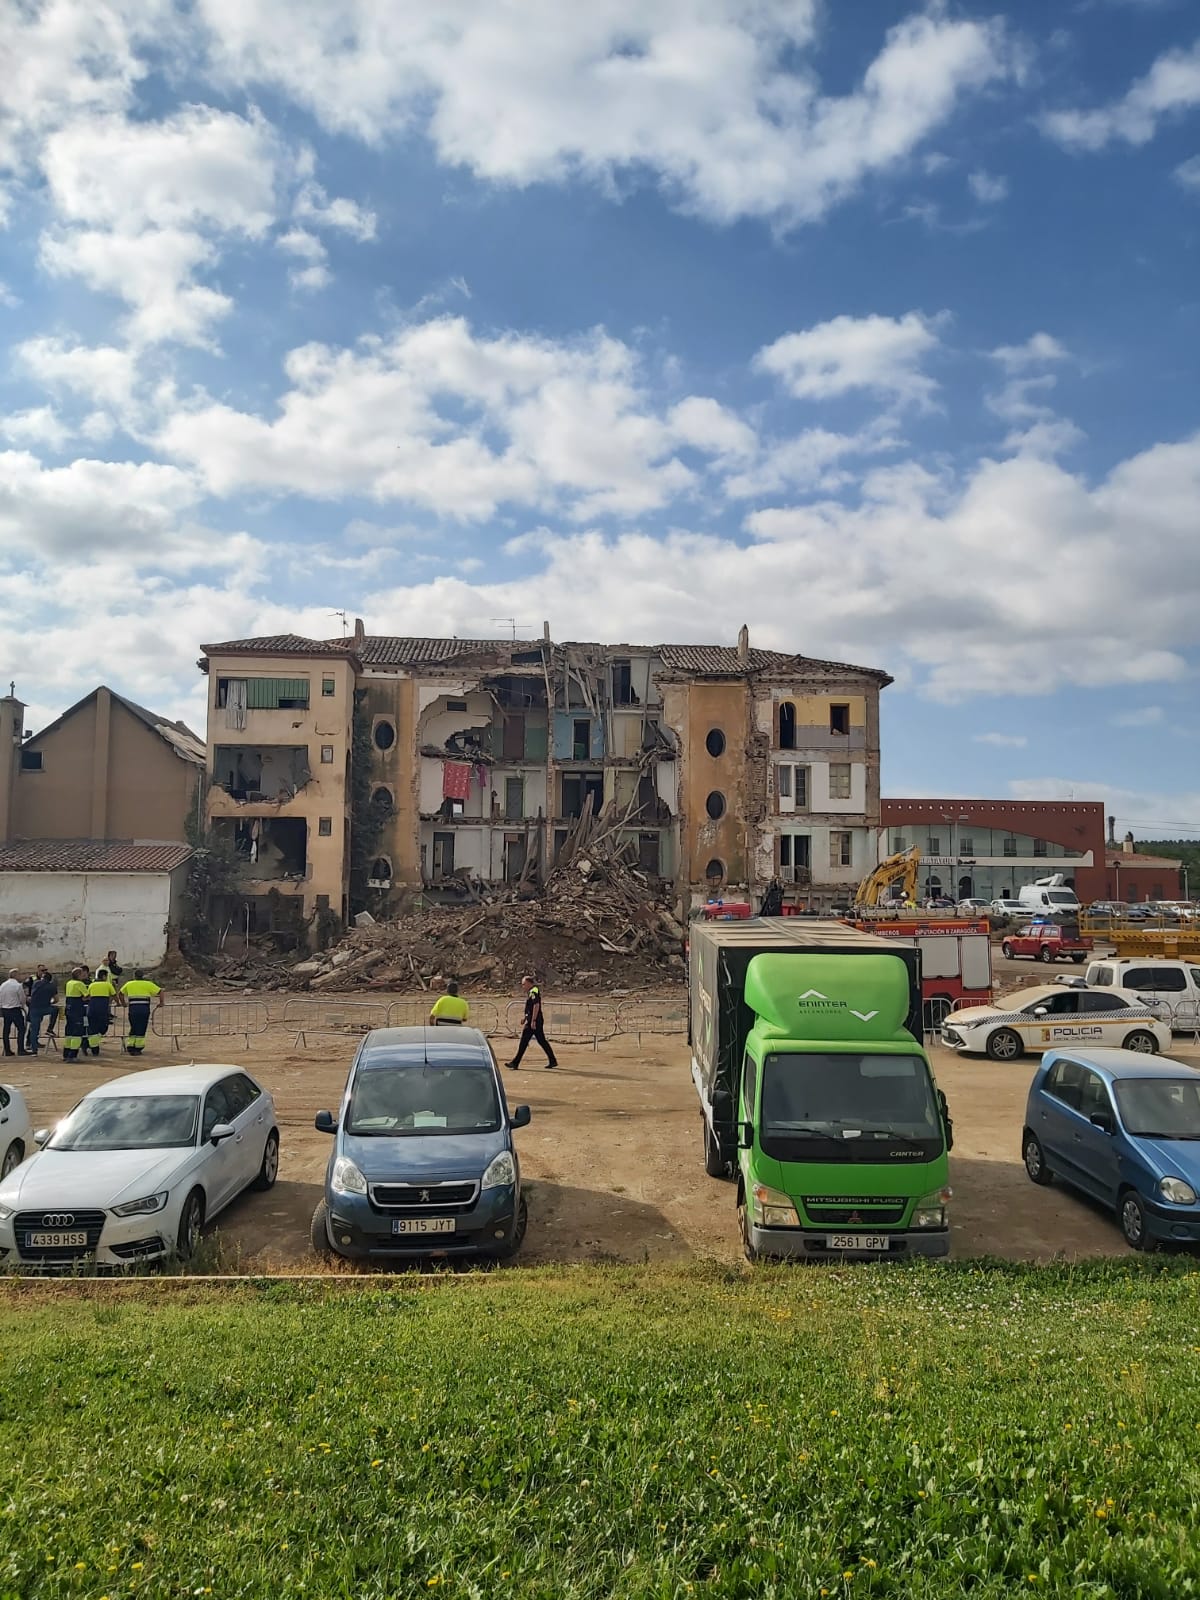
<point x="1185" y="850"/>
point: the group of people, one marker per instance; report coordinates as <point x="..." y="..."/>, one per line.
<point x="28" y="1004"/>
<point x="451" y="1008"/>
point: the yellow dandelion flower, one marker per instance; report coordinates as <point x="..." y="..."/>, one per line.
<point x="137" y="1566"/>
<point x="81" y="1566"/>
<point x="1101" y="1512"/>
<point x="377" y="1463"/>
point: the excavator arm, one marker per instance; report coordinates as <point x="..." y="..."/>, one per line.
<point x="902" y="869"/>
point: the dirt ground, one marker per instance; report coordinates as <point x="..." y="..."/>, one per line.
<point x="612" y="1157"/>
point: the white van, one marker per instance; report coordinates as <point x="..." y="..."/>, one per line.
<point x="1171" y="987"/>
<point x="1048" y="894"/>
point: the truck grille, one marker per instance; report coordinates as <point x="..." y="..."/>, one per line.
<point x="90" y="1223"/>
<point x="865" y="1217"/>
<point x="423" y="1196"/>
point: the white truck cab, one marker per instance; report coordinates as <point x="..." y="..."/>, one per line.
<point x="1048" y="894"/>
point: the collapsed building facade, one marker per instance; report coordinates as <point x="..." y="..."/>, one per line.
<point x="346" y="772"/>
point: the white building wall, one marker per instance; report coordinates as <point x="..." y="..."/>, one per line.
<point x="63" y="918"/>
<point x="819" y="796"/>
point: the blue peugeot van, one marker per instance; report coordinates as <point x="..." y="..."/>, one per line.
<point x="423" y="1161"/>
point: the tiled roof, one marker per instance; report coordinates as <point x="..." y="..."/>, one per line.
<point x="1121" y="858"/>
<point x="393" y="650"/>
<point x="91" y="855"/>
<point x="280" y="644"/>
<point x="723" y="661"/>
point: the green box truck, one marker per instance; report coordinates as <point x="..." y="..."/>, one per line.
<point x="815" y="1090"/>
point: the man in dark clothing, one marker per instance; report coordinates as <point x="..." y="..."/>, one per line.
<point x="114" y="971"/>
<point x="535" y="1027"/>
<point x="43" y="1005"/>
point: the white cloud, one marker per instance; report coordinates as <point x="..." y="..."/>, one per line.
<point x="103" y="374"/>
<point x="880" y="354"/>
<point x="91" y="505"/>
<point x="1143" y="717"/>
<point x="1022" y="399"/>
<point x="312" y="205"/>
<point x="988" y="188"/>
<point x="38" y="425"/>
<point x="461" y="424"/>
<point x="311" y="278"/>
<point x="1037" y="349"/>
<point x="814" y="459"/>
<point x="712" y="98"/>
<point x="7" y="298"/>
<point x="1003" y="741"/>
<point x="1171" y="86"/>
<point x="1188" y="173"/>
<point x="1149" y="814"/>
<point x="299" y="242"/>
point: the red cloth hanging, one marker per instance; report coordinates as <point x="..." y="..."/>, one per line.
<point x="456" y="780"/>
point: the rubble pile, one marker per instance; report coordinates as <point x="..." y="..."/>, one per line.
<point x="598" y="923"/>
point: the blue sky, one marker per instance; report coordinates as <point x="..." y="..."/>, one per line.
<point x="872" y="325"/>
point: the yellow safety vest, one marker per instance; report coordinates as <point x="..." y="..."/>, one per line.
<point x="140" y="989"/>
<point x="452" y="1006"/>
<point x="97" y="990"/>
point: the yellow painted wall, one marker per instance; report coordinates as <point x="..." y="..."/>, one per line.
<point x="724" y="706"/>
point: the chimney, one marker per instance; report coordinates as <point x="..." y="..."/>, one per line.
<point x="11" y="738"/>
<point x="1127" y="845"/>
<point x="1112" y="833"/>
<point x="744" y="646"/>
<point x="360" y="633"/>
<point x="546" y="632"/>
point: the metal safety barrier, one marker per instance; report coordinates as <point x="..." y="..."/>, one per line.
<point x="412" y="1011"/>
<point x="340" y="1019"/>
<point x="567" y="1021"/>
<point x="1184" y="1019"/>
<point x="652" y="1016"/>
<point x="209" y="1019"/>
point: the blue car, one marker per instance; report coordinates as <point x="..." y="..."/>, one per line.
<point x="1125" y="1130"/>
<point x="423" y="1161"/>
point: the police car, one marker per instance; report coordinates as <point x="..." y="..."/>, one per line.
<point x="1055" y="1014"/>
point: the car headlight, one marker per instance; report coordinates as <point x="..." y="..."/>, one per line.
<point x="930" y="1209"/>
<point x="5" y="1213"/>
<point x="774" y="1210"/>
<point x="347" y="1179"/>
<point x="1177" y="1192"/>
<point x="143" y="1207"/>
<point x="502" y="1171"/>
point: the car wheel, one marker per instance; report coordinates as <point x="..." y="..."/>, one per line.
<point x="1005" y="1045"/>
<point x="1078" y="960"/>
<point x="318" y="1232"/>
<point x="13" y="1157"/>
<point x="507" y="1251"/>
<point x="935" y="1011"/>
<point x="191" y="1220"/>
<point x="713" y="1163"/>
<point x="743" y="1210"/>
<point x="1046" y="954"/>
<point x="1143" y="1042"/>
<point x="1132" y="1216"/>
<point x="269" y="1170"/>
<point x="1034" y="1158"/>
<point x="1006" y="951"/>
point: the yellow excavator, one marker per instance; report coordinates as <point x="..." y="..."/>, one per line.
<point x="899" y="870"/>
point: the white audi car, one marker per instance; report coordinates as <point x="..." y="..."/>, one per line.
<point x="16" y="1130"/>
<point x="136" y="1169"/>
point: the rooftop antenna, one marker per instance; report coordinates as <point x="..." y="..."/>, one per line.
<point x="511" y="622"/>
<point x="345" y="624"/>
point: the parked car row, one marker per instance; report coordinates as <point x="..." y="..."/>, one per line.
<point x="423" y="1160"/>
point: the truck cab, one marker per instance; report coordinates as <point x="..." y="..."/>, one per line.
<point x="807" y="1068"/>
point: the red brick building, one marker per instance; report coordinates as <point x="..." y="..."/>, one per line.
<point x="989" y="848"/>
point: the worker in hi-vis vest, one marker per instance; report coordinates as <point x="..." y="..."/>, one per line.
<point x="75" y="1008"/>
<point x="137" y="993"/>
<point x="101" y="994"/>
<point x="450" y="1007"/>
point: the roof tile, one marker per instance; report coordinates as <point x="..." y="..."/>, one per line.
<point x="91" y="855"/>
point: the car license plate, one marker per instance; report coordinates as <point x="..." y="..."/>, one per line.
<point x="55" y="1241"/>
<point x="423" y="1225"/>
<point x="856" y="1241"/>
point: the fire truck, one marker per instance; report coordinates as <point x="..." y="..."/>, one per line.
<point x="956" y="959"/>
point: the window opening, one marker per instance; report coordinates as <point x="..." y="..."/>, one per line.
<point x="715" y="743"/>
<point x="839" y="719"/>
<point x="787" y="726"/>
<point x="715" y="805"/>
<point x="385" y="735"/>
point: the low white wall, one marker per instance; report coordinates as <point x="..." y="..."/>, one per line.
<point x="65" y="917"/>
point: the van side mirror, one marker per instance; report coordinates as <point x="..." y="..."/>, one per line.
<point x="1104" y="1121"/>
<point x="745" y="1136"/>
<point x="323" y="1122"/>
<point x="521" y="1117"/>
<point x="41" y="1135"/>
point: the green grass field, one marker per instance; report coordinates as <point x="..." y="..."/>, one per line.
<point x="608" y="1432"/>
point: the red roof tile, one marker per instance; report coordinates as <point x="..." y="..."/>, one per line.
<point x="280" y="644"/>
<point x="91" y="855"/>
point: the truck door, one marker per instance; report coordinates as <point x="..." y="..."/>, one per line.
<point x="976" y="961"/>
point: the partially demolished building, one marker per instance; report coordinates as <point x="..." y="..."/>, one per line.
<point x="453" y="763"/>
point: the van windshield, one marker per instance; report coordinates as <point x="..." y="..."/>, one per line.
<point x="419" y="1099"/>
<point x="848" y="1108"/>
<point x="1061" y="897"/>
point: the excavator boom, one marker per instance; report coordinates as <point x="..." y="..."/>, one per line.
<point x="901" y="869"/>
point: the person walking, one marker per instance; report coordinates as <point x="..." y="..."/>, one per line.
<point x="137" y="993"/>
<point x="75" y="1022"/>
<point x="450" y="1007"/>
<point x="43" y="1007"/>
<point x="12" y="1009"/>
<point x="535" y="1026"/>
<point x="101" y="994"/>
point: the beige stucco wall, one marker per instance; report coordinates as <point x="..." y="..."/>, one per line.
<point x="125" y="784"/>
<point x="692" y="709"/>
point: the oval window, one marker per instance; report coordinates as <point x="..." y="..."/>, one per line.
<point x="715" y="871"/>
<point x="381" y="869"/>
<point x="715" y="805"/>
<point x="715" y="743"/>
<point x="385" y="735"/>
<point x="382" y="800"/>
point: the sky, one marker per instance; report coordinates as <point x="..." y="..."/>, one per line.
<point x="872" y="325"/>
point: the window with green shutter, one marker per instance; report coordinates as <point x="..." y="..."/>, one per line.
<point x="277" y="694"/>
